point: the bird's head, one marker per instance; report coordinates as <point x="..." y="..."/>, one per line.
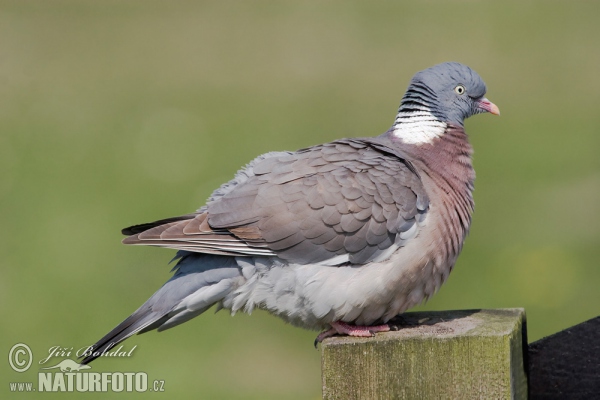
<point x="451" y="91"/>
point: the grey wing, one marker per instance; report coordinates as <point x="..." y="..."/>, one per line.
<point x="345" y="201"/>
<point x="191" y="231"/>
<point x="340" y="202"/>
<point x="242" y="176"/>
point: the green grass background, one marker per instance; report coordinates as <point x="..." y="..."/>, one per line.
<point x="120" y="112"/>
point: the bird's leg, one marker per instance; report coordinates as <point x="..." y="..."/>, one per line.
<point x="342" y="328"/>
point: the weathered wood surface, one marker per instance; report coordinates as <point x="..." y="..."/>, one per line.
<point x="566" y="365"/>
<point x="476" y="354"/>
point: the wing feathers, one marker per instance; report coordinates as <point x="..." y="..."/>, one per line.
<point x="351" y="197"/>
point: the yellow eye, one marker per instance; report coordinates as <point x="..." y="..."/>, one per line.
<point x="460" y="89"/>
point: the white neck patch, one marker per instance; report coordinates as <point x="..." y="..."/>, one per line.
<point x="418" y="127"/>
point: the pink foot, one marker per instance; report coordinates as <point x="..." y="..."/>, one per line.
<point x="342" y="328"/>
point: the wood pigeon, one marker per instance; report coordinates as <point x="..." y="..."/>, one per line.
<point x="339" y="237"/>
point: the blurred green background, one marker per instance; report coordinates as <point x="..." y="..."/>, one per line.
<point x="120" y="112"/>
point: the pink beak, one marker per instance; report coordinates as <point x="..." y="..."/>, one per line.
<point x="488" y="106"/>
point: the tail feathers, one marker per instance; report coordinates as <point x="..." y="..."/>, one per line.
<point x="199" y="282"/>
<point x="140" y="321"/>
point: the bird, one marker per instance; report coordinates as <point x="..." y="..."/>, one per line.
<point x="339" y="237"/>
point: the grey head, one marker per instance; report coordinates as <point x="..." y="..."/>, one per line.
<point x="450" y="91"/>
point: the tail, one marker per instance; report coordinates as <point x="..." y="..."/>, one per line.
<point x="199" y="282"/>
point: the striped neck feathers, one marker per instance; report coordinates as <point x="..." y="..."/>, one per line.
<point x="417" y="127"/>
<point x="420" y="118"/>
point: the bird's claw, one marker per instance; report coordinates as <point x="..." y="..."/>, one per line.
<point x="343" y="328"/>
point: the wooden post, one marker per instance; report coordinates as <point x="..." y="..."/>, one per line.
<point x="476" y="354"/>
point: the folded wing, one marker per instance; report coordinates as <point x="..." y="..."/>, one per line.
<point x="347" y="201"/>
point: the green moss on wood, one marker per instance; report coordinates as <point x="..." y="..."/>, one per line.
<point x="449" y="354"/>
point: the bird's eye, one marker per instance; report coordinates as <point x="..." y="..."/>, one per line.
<point x="460" y="89"/>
